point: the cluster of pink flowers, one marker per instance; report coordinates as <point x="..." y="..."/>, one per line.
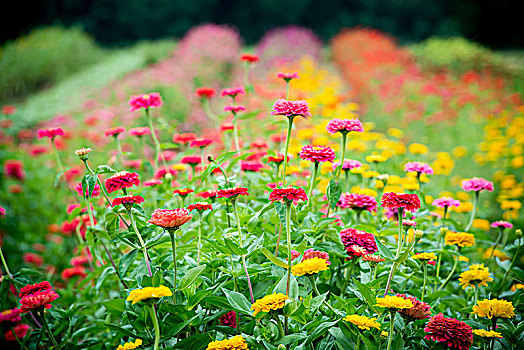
<point x="357" y="201"/>
<point x="123" y="179"/>
<point x="476" y="184"/>
<point x="344" y="125"/>
<point x="446" y="202"/>
<point x="358" y="243"/>
<point x="291" y="108"/>
<point x="451" y="332"/>
<point x="418" y="167"/>
<point x="407" y="201"/>
<point x="170" y="218"/>
<point x="288" y="194"/>
<point x="317" y="153"/>
<point x="145" y="101"/>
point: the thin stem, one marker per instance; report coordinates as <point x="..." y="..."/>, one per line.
<point x="199" y="236"/>
<point x="391" y="327"/>
<point x="495" y="246"/>
<point x="4" y="263"/>
<point x="290" y="127"/>
<point x="173" y="251"/>
<point x="508" y="270"/>
<point x="57" y="155"/>
<point x="279" y="236"/>
<point x="118" y="148"/>
<point x="357" y="347"/>
<point x="425" y="279"/>
<point x="399" y="243"/>
<point x="313" y="284"/>
<point x="339" y="168"/>
<point x="279" y="324"/>
<point x="451" y="273"/>
<point x="312" y="185"/>
<point x="243" y="257"/>
<point x="142" y="244"/>
<point x="287" y="90"/>
<point x="155" y="140"/>
<point x="288" y="236"/>
<point x="235" y="131"/>
<point x="475" y="203"/>
<point x="156" y="325"/>
<point x="48" y="330"/>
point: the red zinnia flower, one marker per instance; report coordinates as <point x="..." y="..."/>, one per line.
<point x="253" y="166"/>
<point x="34" y="288"/>
<point x="191" y="160"/>
<point x="208" y="194"/>
<point x="352" y="238"/>
<point x="419" y="311"/>
<point x="288" y="194"/>
<point x="12" y="315"/>
<point x="205" y="92"/>
<point x="344" y="125"/>
<point x="225" y="126"/>
<point x="51" y="132"/>
<point x="357" y="201"/>
<point x="229" y="319"/>
<point x="79" y="260"/>
<point x="145" y="101"/>
<point x="249" y="58"/>
<point x="201" y="142"/>
<point x="454" y="333"/>
<point x="74" y="271"/>
<point x="259" y="144"/>
<point x="184" y="138"/>
<point x="288" y="76"/>
<point x="170" y="218"/>
<point x="200" y="207"/>
<point x="140" y="131"/>
<point x="8" y="109"/>
<point x="232" y="193"/>
<point x="317" y="153"/>
<point x="183" y="192"/>
<point x="33" y="258"/>
<point x="20" y="331"/>
<point x="234" y="109"/>
<point x="117" y="130"/>
<point x="233" y="92"/>
<point x="123" y="179"/>
<point x="37" y="300"/>
<point x="275" y="159"/>
<point x="407" y="201"/>
<point x="14" y="169"/>
<point x="291" y="108"/>
<point x="127" y="201"/>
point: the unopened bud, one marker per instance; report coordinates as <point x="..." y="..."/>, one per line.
<point x="518" y="232"/>
<point x="82" y="153"/>
<point x="281" y="347"/>
<point x="210" y="159"/>
<point x="418" y="234"/>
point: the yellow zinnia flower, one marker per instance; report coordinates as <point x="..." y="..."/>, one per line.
<point x="394" y="302"/>
<point x="418" y="148"/>
<point x="362" y="322"/>
<point x="517" y="286"/>
<point x="496" y="254"/>
<point x="137" y="295"/>
<point x="235" y="343"/>
<point x="476" y="275"/>
<point x="130" y="345"/>
<point x="481" y="224"/>
<point x="461" y="239"/>
<point x="376" y="158"/>
<point x="494" y="308"/>
<point x="425" y="256"/>
<point x="310" y="267"/>
<point x="270" y="302"/>
<point x="487" y="334"/>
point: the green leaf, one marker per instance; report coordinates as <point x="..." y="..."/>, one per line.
<point x="367" y="294"/>
<point x="208" y="170"/>
<point x="238" y="301"/>
<point x="115" y="306"/>
<point x="386" y="253"/>
<point x="225" y="157"/>
<point x="121" y="330"/>
<point x="256" y="217"/>
<point x="190" y="276"/>
<point x="334" y="192"/>
<point x="126" y="261"/>
<point x="196" y="298"/>
<point x="319" y="330"/>
<point x="281" y="213"/>
<point x="234" y="248"/>
<point x="293" y="287"/>
<point x="273" y="258"/>
<point x="103" y="169"/>
<point x="218" y="246"/>
<point x="344" y="342"/>
<point x="111" y="224"/>
<point x="176" y="329"/>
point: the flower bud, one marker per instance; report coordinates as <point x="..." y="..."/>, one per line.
<point x="82" y="153"/>
<point x="518" y="232"/>
<point x="281" y="347"/>
<point x="418" y="234"/>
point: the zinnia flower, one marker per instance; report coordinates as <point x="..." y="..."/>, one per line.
<point x="11" y="315"/>
<point x="233" y="92"/>
<point x="288" y="76"/>
<point x="253" y="166"/>
<point x="311" y="253"/>
<point x="461" y="239"/>
<point x="419" y="311"/>
<point x="249" y="58"/>
<point x="407" y="201"/>
<point x="117" y="130"/>
<point x="200" y="207"/>
<point x="453" y="333"/>
<point x="170" y="218"/>
<point x="123" y="179"/>
<point x="228" y="319"/>
<point x="235" y="109"/>
<point x="20" y="331"/>
<point x="140" y="131"/>
<point x="394" y="302"/>
<point x="201" y="142"/>
<point x="145" y="101"/>
<point x="278" y="159"/>
<point x="372" y="260"/>
<point x="357" y="202"/>
<point x="81" y="192"/>
<point x="317" y="154"/>
<point x="14" y="169"/>
<point x="446" y="202"/>
<point x="476" y="184"/>
<point x="232" y="193"/>
<point x="418" y="167"/>
<point x="351" y="237"/>
<point x="184" y="138"/>
<point x="34" y="288"/>
<point x="74" y="271"/>
<point x="51" y="132"/>
<point x="291" y="108"/>
<point x="127" y="201"/>
<point x="288" y="195"/>
<point x="205" y="92"/>
<point x="146" y="293"/>
<point x="130" y="345"/>
<point x="363" y="322"/>
<point x="235" y="343"/>
<point x="309" y="266"/>
<point x="275" y="301"/>
<point x="37" y="300"/>
<point x="424" y="256"/>
<point x="494" y="308"/>
<point x="477" y="275"/>
<point x="191" y="160"/>
<point x="183" y="191"/>
<point x="487" y="334"/>
<point x="500" y="223"/>
<point x="344" y="126"/>
<point x="348" y="164"/>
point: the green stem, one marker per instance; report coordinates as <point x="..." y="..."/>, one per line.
<point x="57" y="155"/>
<point x="48" y="330"/>
<point x="451" y="273"/>
<point x="399" y="243"/>
<point x="339" y="168"/>
<point x="312" y="185"/>
<point x="243" y="256"/>
<point x="391" y="327"/>
<point x="357" y="347"/>
<point x="142" y="244"/>
<point x="155" y="140"/>
<point x="288" y="236"/>
<point x="290" y="127"/>
<point x="173" y="251"/>
<point x="495" y="246"/>
<point x="156" y="325"/>
<point x="235" y="131"/>
<point x="199" y="236"/>
<point x="425" y="279"/>
<point x="119" y="150"/>
<point x="4" y="263"/>
<point x="313" y="284"/>
<point x="508" y="270"/>
<point x="475" y="203"/>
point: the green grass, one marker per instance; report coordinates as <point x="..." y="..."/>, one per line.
<point x="70" y="93"/>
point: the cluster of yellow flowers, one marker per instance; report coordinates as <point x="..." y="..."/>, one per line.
<point x="394" y="302"/>
<point x="363" y="322"/>
<point x="477" y="275"/>
<point x="310" y="266"/>
<point x="130" y="345"/>
<point x="137" y="295"/>
<point x="494" y="308"/>
<point x="235" y="343"/>
<point x="461" y="239"/>
<point x="487" y="334"/>
<point x="425" y="256"/>
<point x="275" y="301"/>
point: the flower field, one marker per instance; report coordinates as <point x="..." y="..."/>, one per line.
<point x="291" y="195"/>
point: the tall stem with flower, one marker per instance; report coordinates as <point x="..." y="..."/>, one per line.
<point x="472" y="218"/>
<point x="244" y="264"/>
<point x="286" y="149"/>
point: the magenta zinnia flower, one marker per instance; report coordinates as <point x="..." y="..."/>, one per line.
<point x="418" y="167"/>
<point x="344" y="125"/>
<point x="317" y="153"/>
<point x="170" y="218"/>
<point x="407" y="201"/>
<point x="51" y="132"/>
<point x="253" y="166"/>
<point x="288" y="194"/>
<point x="37" y="300"/>
<point x="288" y="76"/>
<point x="140" y="131"/>
<point x="233" y="92"/>
<point x="348" y="164"/>
<point x="354" y="239"/>
<point x="191" y="160"/>
<point x="232" y="193"/>
<point x="123" y="179"/>
<point x="81" y="192"/>
<point x="503" y="224"/>
<point x="235" y="109"/>
<point x="127" y="201"/>
<point x="200" y="207"/>
<point x="291" y="108"/>
<point x="454" y="333"/>
<point x="228" y="319"/>
<point x="117" y="130"/>
<point x="11" y="315"/>
<point x="357" y="202"/>
<point x="444" y="202"/>
<point x="201" y="142"/>
<point x="145" y="101"/>
<point x="476" y="184"/>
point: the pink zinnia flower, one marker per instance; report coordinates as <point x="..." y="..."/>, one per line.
<point x="234" y="109"/>
<point x="117" y="130"/>
<point x="127" y="201"/>
<point x="249" y="58"/>
<point x="253" y="166"/>
<point x="205" y="92"/>
<point x="192" y="160"/>
<point x="476" y="184"/>
<point x="317" y="153"/>
<point x="453" y="333"/>
<point x="407" y="201"/>
<point x="14" y="169"/>
<point x="357" y="202"/>
<point x="20" y="331"/>
<point x="352" y="238"/>
<point x="170" y="218"/>
<point x="287" y="76"/>
<point x="418" y="167"/>
<point x="140" y="131"/>
<point x="123" y="179"/>
<point x="33" y="258"/>
<point x="446" y="202"/>
<point x="201" y="142"/>
<point x="145" y="101"/>
<point x="228" y="319"/>
<point x="500" y="223"/>
<point x="288" y="194"/>
<point x="152" y="182"/>
<point x="184" y="138"/>
<point x="34" y="288"/>
<point x="344" y="125"/>
<point x="348" y="164"/>
<point x="81" y="192"/>
<point x="232" y="193"/>
<point x="37" y="300"/>
<point x="419" y="311"/>
<point x="11" y="315"/>
<point x="160" y="173"/>
<point x="291" y="108"/>
<point x="208" y="194"/>
<point x="294" y="254"/>
<point x="233" y="92"/>
<point x="259" y="144"/>
<point x="51" y="132"/>
<point x="200" y="207"/>
<point x="311" y="253"/>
